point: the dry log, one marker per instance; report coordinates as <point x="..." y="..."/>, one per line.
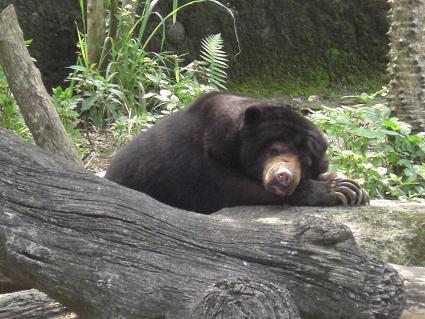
<point x="242" y="298"/>
<point x="31" y="304"/>
<point x="105" y="251"/>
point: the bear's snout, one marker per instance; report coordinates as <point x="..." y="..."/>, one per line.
<point x="284" y="177"/>
<point x="281" y="175"/>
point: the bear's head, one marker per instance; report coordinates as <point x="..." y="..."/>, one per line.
<point x="281" y="147"/>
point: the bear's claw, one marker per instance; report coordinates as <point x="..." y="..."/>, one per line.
<point x="349" y="193"/>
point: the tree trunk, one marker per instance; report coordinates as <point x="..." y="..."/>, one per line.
<point x="105" y="251"/>
<point x="407" y="61"/>
<point x="95" y="30"/>
<point x="25" y="83"/>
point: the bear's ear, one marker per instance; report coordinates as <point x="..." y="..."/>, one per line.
<point x="252" y="115"/>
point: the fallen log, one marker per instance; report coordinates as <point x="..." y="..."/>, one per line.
<point x="105" y="251"/>
<point x="31" y="304"/>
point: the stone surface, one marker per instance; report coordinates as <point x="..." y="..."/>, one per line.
<point x="393" y="231"/>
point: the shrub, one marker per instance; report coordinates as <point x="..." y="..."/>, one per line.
<point x="10" y="116"/>
<point x="129" y="81"/>
<point x="368" y="144"/>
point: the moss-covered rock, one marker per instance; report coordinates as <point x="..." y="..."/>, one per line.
<point x="310" y="42"/>
<point x="390" y="230"/>
<point x="51" y="25"/>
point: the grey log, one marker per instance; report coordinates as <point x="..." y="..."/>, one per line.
<point x="30" y="304"/>
<point x="242" y="298"/>
<point x="105" y="251"/>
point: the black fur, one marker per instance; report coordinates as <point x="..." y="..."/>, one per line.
<point x="209" y="155"/>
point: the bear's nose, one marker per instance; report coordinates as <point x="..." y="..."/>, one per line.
<point x="284" y="177"/>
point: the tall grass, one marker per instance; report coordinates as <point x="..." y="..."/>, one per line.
<point x="129" y="80"/>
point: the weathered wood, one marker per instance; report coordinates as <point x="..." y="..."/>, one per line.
<point x="31" y="304"/>
<point x="414" y="280"/>
<point x="242" y="298"/>
<point x="384" y="223"/>
<point x="24" y="81"/>
<point x="105" y="251"/>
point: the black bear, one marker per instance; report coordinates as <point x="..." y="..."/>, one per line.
<point x="227" y="150"/>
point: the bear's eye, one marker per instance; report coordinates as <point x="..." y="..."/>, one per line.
<point x="307" y="161"/>
<point x="276" y="152"/>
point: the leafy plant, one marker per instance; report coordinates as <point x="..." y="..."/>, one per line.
<point x="10" y="116"/>
<point x="66" y="105"/>
<point x="368" y="144"/>
<point x="214" y="60"/>
<point x="130" y="81"/>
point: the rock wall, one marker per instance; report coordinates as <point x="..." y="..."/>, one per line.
<point x="311" y="40"/>
<point x="315" y="40"/>
<point x="51" y="25"/>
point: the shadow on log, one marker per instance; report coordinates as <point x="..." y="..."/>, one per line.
<point x="8" y="285"/>
<point x="105" y="251"/>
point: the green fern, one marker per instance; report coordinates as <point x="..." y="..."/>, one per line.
<point x="214" y="60"/>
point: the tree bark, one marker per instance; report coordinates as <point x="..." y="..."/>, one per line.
<point x="407" y="61"/>
<point x="95" y="30"/>
<point x="105" y="251"/>
<point x="241" y="298"/>
<point x="27" y="87"/>
<point x="414" y="280"/>
<point x="31" y="304"/>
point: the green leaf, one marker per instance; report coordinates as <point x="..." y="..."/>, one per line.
<point x="88" y="103"/>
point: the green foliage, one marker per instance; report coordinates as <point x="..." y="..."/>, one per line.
<point x="10" y="116"/>
<point x="368" y="144"/>
<point x="66" y="105"/>
<point x="134" y="84"/>
<point x="215" y="60"/>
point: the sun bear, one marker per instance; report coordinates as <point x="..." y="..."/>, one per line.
<point x="227" y="150"/>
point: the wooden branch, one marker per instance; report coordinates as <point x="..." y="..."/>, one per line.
<point x="31" y="304"/>
<point x="27" y="87"/>
<point x="105" y="251"/>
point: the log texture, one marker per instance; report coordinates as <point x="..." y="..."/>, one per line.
<point x="25" y="82"/>
<point x="31" y="304"/>
<point x="241" y="298"/>
<point x="105" y="251"/>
